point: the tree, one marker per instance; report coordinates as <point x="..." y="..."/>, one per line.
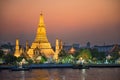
<point x="1" y="53"/>
<point x="97" y="55"/>
<point x="85" y="54"/>
<point x="94" y="53"/>
<point x="62" y="53"/>
<point x="115" y="55"/>
<point x="9" y="58"/>
<point x="43" y="59"/>
<point x="101" y="56"/>
<point x="19" y="59"/>
<point x="30" y="61"/>
<point x="65" y="57"/>
<point x="77" y="53"/>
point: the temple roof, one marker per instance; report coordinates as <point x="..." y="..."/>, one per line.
<point x="115" y="48"/>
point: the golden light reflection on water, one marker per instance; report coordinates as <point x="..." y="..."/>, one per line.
<point x="22" y="75"/>
<point x="83" y="74"/>
<point x="62" y="74"/>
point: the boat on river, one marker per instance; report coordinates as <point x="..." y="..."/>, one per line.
<point x="20" y="69"/>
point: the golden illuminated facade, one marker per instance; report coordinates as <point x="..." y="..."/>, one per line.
<point x="57" y="50"/>
<point x="17" y="49"/>
<point x="41" y="42"/>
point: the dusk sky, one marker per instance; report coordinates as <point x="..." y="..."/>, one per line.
<point x="72" y="21"/>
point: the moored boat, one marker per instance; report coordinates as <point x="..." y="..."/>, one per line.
<point x="20" y="69"/>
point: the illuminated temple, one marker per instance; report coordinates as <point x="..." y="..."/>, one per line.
<point x="41" y="42"/>
<point x="17" y="50"/>
<point x="40" y="45"/>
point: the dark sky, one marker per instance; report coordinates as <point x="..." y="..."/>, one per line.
<point x="72" y="21"/>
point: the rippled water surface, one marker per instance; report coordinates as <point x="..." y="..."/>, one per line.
<point x="62" y="74"/>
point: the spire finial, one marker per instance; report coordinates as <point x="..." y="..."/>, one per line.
<point x="41" y="13"/>
<point x="41" y="23"/>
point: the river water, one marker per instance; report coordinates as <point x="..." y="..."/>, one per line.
<point x="62" y="74"/>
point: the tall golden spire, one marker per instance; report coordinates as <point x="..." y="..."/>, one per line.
<point x="57" y="46"/>
<point x="17" y="52"/>
<point x="56" y="50"/>
<point x="41" y="41"/>
<point x="41" y="31"/>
